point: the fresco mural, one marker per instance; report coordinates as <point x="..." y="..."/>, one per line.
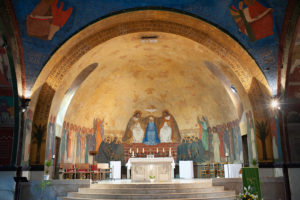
<point x="6" y="106"/>
<point x="152" y="130"/>
<point x="253" y="19"/>
<point x="40" y="19"/>
<point x="46" y="19"/>
<point x="276" y="141"/>
<point x="251" y="136"/>
<point x="76" y="143"/>
<point x="27" y="137"/>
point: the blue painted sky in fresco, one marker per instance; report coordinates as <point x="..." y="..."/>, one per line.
<point x="37" y="52"/>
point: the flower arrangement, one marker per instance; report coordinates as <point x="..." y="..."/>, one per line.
<point x="248" y="194"/>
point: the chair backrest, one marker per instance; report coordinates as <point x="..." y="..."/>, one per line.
<point x="103" y="165"/>
<point x="66" y="165"/>
<point x="82" y="166"/>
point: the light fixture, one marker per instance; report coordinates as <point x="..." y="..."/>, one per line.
<point x="275" y="104"/>
<point x="24" y="104"/>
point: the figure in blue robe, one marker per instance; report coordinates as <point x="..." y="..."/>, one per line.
<point x="151" y="136"/>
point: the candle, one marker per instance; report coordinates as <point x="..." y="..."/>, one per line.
<point x="156" y="150"/>
<point x="226" y="154"/>
<point x="132" y="153"/>
<point x="130" y="150"/>
<point x="137" y="150"/>
<point x="164" y="150"/>
<point x="143" y="150"/>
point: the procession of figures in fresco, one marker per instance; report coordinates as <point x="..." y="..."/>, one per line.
<point x="217" y="143"/>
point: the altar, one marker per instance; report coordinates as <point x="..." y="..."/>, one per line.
<point x="159" y="169"/>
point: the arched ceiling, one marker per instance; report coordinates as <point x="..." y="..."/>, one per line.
<point x="170" y="72"/>
<point x="38" y="48"/>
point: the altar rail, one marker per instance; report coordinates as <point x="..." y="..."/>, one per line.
<point x="148" y="149"/>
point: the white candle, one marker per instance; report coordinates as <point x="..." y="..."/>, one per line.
<point x="156" y="150"/>
<point x="130" y="150"/>
<point x="143" y="150"/>
<point x="137" y="150"/>
<point x="164" y="150"/>
<point x="132" y="154"/>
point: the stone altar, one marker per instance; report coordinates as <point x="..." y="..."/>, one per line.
<point x="162" y="168"/>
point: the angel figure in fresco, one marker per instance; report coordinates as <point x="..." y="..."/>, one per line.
<point x="168" y="129"/>
<point x="253" y="19"/>
<point x="46" y="19"/>
<point x="151" y="134"/>
<point x="135" y="129"/>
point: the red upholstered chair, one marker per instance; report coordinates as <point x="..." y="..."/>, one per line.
<point x="68" y="170"/>
<point x="104" y="170"/>
<point x="82" y="170"/>
<point x="94" y="172"/>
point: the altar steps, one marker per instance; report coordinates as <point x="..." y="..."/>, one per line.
<point x="202" y="190"/>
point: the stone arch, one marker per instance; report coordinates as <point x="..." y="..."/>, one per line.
<point x="215" y="40"/>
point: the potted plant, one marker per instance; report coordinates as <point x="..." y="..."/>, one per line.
<point x="48" y="164"/>
<point x="254" y="163"/>
<point x="152" y="178"/>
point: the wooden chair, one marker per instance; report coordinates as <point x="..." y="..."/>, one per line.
<point x="104" y="170"/>
<point x="220" y="171"/>
<point x="204" y="171"/>
<point x="68" y="170"/>
<point x="212" y="170"/>
<point x="94" y="172"/>
<point x="82" y="170"/>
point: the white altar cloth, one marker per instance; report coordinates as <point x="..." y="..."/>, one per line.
<point x="115" y="169"/>
<point x="186" y="169"/>
<point x="150" y="161"/>
<point x="232" y="170"/>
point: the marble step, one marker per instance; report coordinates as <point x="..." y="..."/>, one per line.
<point x="149" y="190"/>
<point x="201" y="184"/>
<point x="219" y="198"/>
<point x="187" y="194"/>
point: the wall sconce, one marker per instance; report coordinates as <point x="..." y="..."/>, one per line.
<point x="24" y="104"/>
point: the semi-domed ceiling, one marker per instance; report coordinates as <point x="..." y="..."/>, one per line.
<point x="163" y="71"/>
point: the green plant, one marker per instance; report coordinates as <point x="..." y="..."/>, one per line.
<point x="254" y="162"/>
<point x="42" y="186"/>
<point x="248" y="194"/>
<point x="152" y="177"/>
<point x="48" y="164"/>
<point x="263" y="130"/>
